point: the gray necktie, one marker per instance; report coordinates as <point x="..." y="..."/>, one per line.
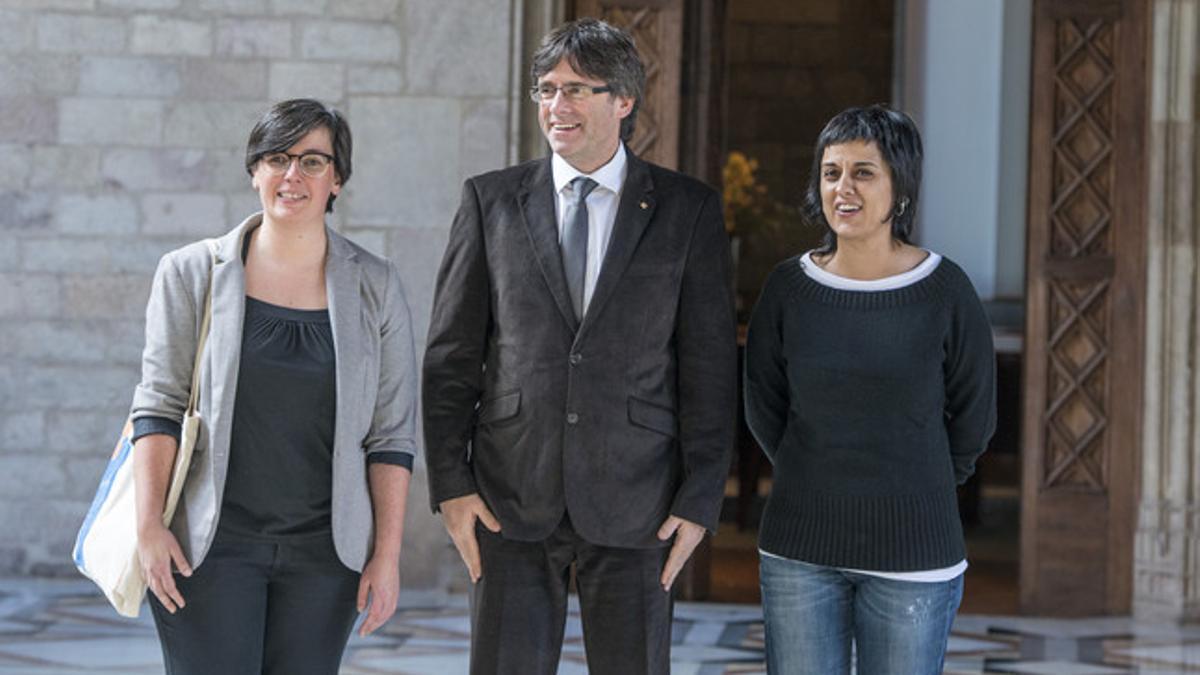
<point x="574" y="241"/>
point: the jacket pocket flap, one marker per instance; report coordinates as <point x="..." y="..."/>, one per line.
<point x="651" y="416"/>
<point x="501" y="407"/>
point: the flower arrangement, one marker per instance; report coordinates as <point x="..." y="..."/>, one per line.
<point x="763" y="230"/>
<point x="744" y="197"/>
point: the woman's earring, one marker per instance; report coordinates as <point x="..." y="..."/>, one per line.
<point x="902" y="206"/>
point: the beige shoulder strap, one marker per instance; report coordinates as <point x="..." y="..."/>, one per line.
<point x="204" y="325"/>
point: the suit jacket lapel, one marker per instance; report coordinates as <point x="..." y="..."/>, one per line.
<point x="342" y="279"/>
<point x="633" y="215"/>
<point x="536" y="201"/>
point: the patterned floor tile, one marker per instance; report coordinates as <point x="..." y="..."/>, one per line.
<point x="65" y="628"/>
<point x="1056" y="668"/>
<point x="1183" y="658"/>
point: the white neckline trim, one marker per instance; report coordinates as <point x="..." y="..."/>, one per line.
<point x="939" y="575"/>
<point x="826" y="278"/>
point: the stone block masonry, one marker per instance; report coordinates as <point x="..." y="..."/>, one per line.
<point x="123" y="136"/>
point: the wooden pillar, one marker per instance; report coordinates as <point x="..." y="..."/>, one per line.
<point x="1085" y="295"/>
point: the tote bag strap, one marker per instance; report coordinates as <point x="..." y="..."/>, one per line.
<point x="204" y="326"/>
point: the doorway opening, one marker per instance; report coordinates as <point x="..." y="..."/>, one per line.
<point x="786" y="68"/>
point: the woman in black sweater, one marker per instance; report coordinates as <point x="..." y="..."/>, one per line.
<point x="870" y="386"/>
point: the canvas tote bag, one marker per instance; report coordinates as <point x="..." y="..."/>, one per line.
<point x="106" y="546"/>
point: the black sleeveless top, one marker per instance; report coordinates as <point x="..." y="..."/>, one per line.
<point x="281" y="450"/>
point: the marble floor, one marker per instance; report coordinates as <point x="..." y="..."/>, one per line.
<point x="63" y="626"/>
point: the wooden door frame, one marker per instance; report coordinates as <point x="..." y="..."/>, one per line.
<point x="703" y="85"/>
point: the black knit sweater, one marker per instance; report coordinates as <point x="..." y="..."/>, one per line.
<point x="871" y="405"/>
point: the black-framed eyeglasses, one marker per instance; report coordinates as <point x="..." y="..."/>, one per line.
<point x="313" y="164"/>
<point x="573" y="91"/>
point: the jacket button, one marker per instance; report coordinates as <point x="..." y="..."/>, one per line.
<point x="572" y="418"/>
<point x="575" y="359"/>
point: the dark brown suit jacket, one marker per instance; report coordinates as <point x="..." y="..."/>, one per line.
<point x="618" y="420"/>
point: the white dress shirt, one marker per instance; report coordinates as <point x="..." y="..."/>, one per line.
<point x="602" y="209"/>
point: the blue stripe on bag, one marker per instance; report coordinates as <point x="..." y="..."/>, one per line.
<point x="102" y="491"/>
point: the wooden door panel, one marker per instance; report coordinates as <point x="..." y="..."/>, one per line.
<point x="1085" y="278"/>
<point x="657" y="29"/>
<point x="1073" y="554"/>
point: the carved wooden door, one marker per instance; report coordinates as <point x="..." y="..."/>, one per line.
<point x="1084" y="294"/>
<point x="657" y="28"/>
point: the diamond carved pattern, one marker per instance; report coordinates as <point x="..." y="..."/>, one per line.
<point x="1085" y="145"/>
<point x="1081" y="216"/>
<point x="642" y="24"/>
<point x="1075" y="420"/>
<point x="1081" y="210"/>
<point x="1076" y="417"/>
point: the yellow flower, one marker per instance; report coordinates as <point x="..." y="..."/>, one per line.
<point x="742" y="194"/>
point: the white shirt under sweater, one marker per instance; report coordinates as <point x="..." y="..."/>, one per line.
<point x="825" y="278"/>
<point x="602" y="209"/>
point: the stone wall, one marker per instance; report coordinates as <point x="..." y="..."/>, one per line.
<point x="122" y="126"/>
<point x="1167" y="542"/>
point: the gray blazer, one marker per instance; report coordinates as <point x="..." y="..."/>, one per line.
<point x="376" y="377"/>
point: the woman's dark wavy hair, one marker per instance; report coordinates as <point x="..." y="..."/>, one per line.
<point x="287" y="122"/>
<point x="598" y="50"/>
<point x="898" y="140"/>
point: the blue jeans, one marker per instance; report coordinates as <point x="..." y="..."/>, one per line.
<point x="813" y="614"/>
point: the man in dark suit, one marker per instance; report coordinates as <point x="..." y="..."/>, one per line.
<point x="579" y="376"/>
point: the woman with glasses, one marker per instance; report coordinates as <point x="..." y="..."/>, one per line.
<point x="869" y="385"/>
<point x="291" y="518"/>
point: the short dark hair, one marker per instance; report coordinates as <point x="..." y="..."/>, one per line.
<point x="287" y="122"/>
<point x="598" y="50"/>
<point x="898" y="140"/>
